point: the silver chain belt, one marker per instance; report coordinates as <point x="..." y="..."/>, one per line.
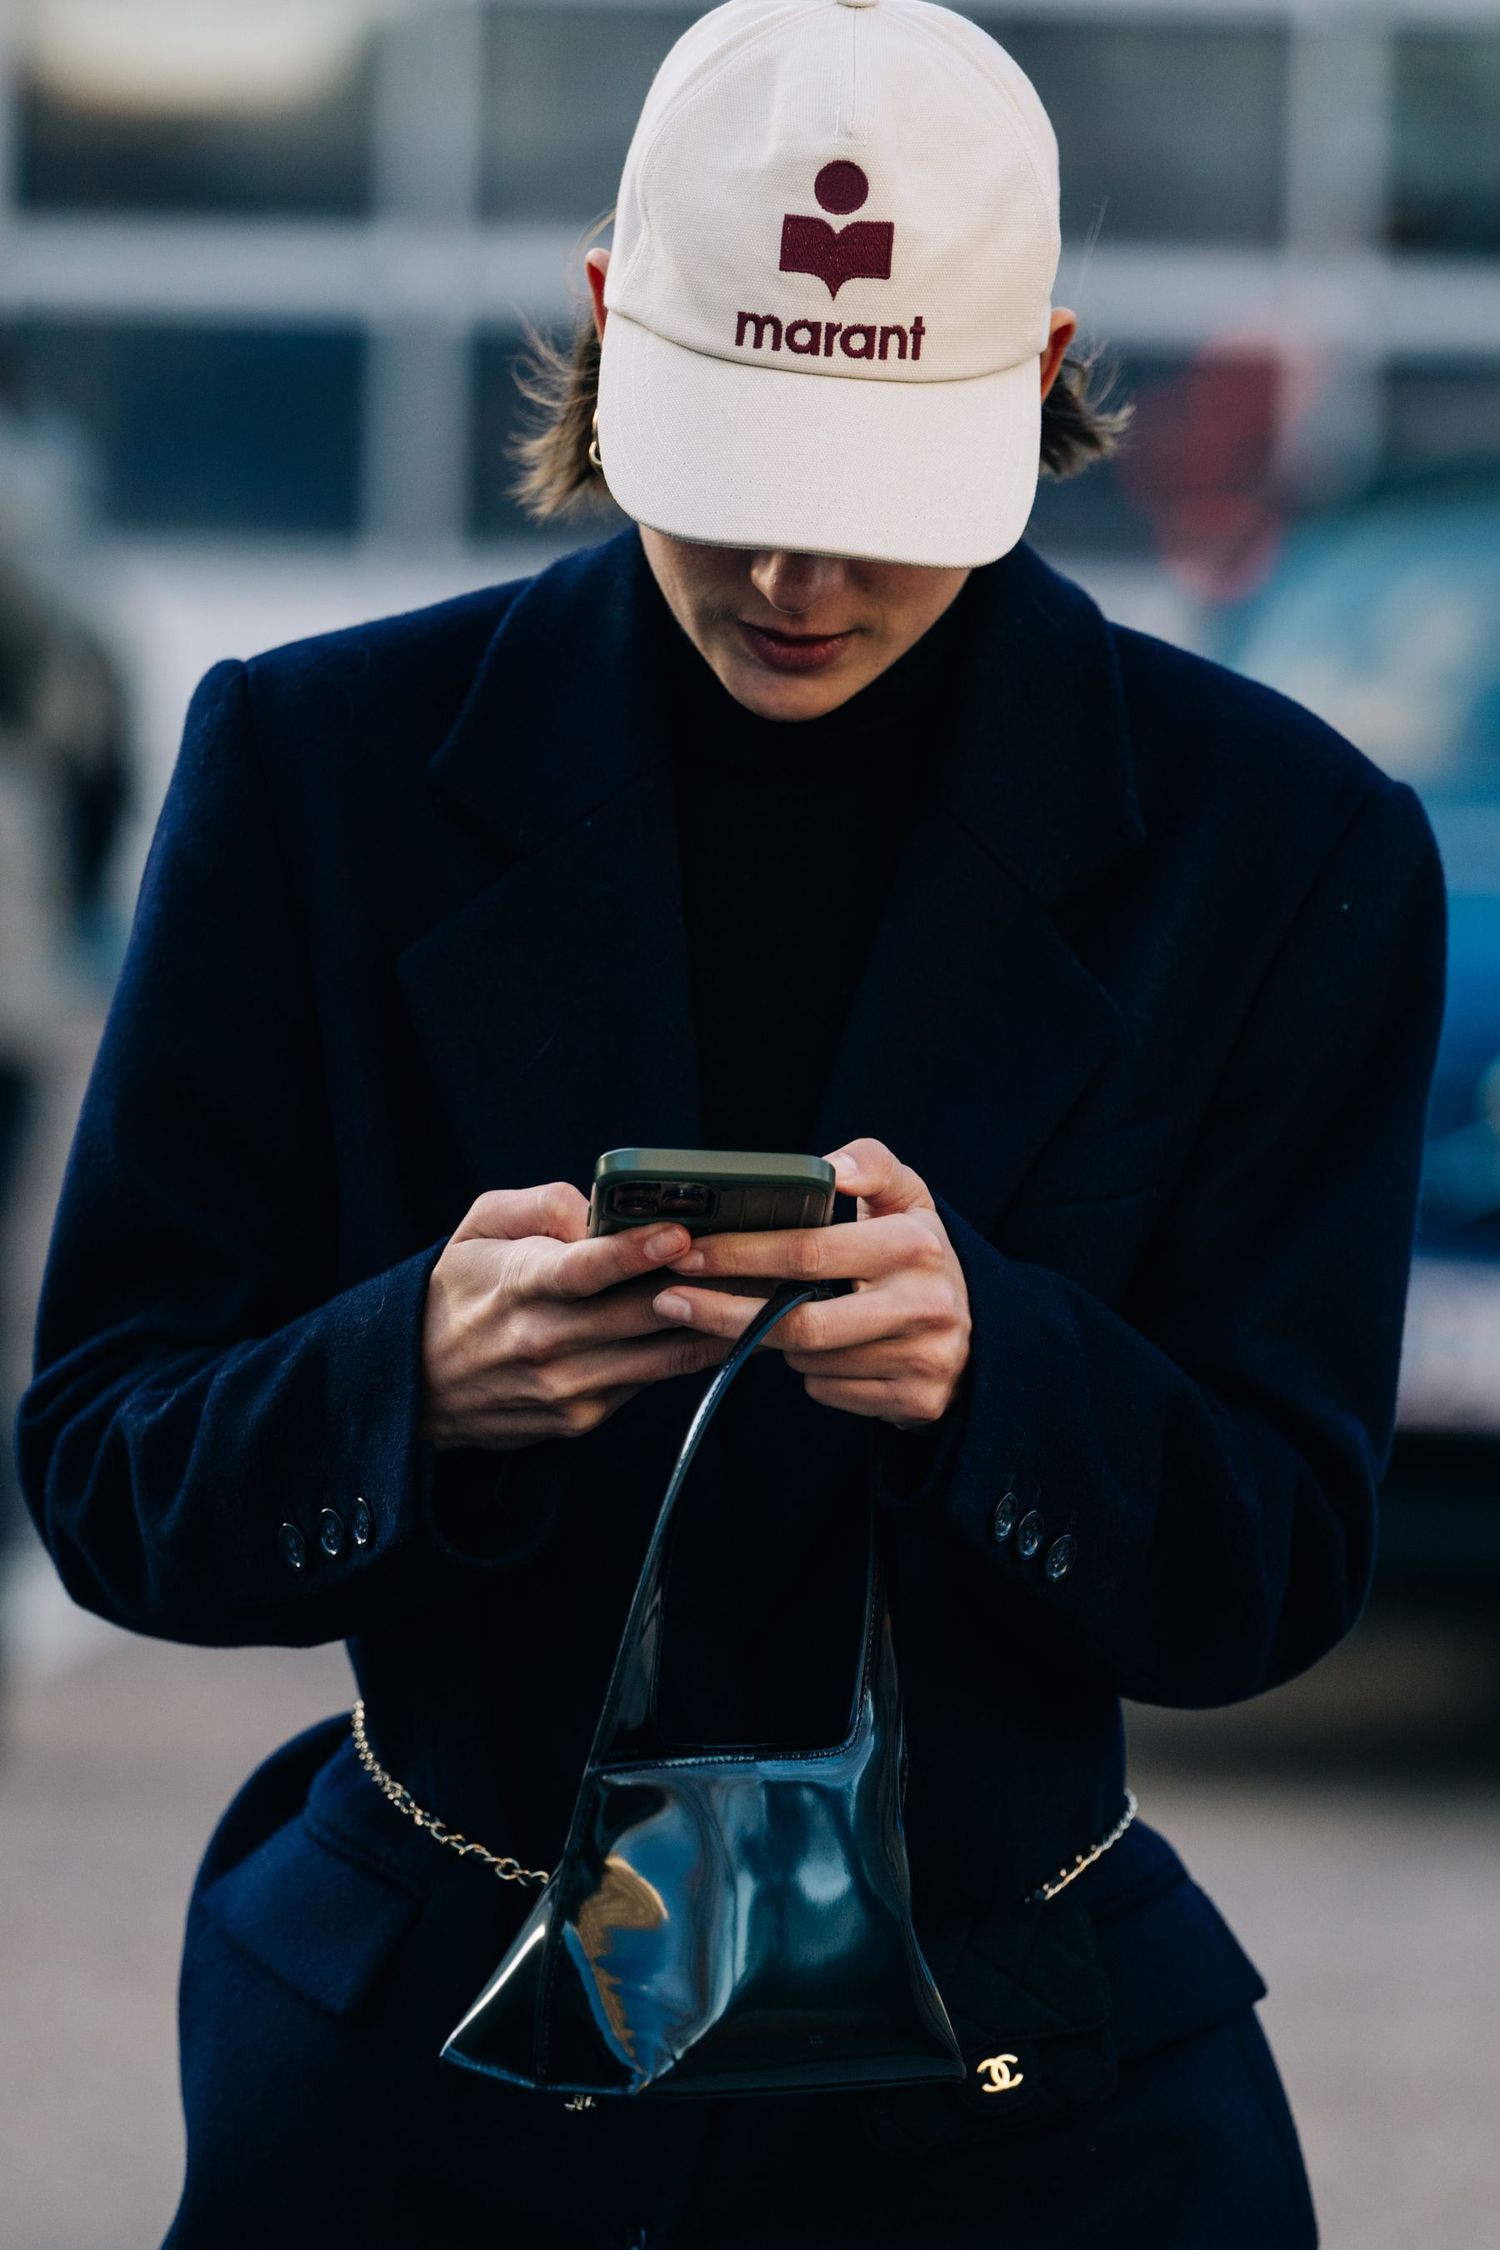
<point x="1067" y="1875"/>
<point x="511" y="1871"/>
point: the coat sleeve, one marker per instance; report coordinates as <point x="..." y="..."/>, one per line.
<point x="218" y="1444"/>
<point x="1179" y="1497"/>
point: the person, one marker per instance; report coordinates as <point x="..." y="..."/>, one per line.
<point x="810" y="809"/>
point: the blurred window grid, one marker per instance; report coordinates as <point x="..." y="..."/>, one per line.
<point x="209" y="206"/>
<point x="251" y="426"/>
<point x="1445" y="140"/>
<point x="1437" y="410"/>
<point x="273" y="118"/>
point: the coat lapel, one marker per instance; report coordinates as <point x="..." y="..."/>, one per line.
<point x="554" y="1003"/>
<point x="553" y="1000"/>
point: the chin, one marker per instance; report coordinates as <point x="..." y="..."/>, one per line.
<point x="773" y="695"/>
<point x="795" y="704"/>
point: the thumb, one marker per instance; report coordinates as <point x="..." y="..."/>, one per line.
<point x="556" y="1208"/>
<point x="868" y="1169"/>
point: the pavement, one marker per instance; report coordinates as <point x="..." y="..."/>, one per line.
<point x="1347" y="1825"/>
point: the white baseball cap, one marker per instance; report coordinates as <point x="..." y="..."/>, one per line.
<point x="830" y="285"/>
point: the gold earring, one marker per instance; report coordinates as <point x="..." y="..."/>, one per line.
<point x="594" y="443"/>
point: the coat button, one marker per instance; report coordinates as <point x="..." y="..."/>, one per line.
<point x="1060" y="1556"/>
<point x="293" y="1548"/>
<point x="361" y="1522"/>
<point x="331" y="1532"/>
<point x="1028" y="1535"/>
<point x="1007" y="1508"/>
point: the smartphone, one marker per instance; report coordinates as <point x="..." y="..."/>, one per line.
<point x="710" y="1190"/>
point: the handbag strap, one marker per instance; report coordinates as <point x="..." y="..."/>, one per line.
<point x="626" y="1720"/>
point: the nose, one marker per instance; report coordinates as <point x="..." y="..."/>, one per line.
<point x="794" y="583"/>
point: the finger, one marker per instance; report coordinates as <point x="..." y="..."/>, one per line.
<point x="883" y="1184"/>
<point x="882" y="1400"/>
<point x="926" y="1357"/>
<point x="910" y="1303"/>
<point x="570" y="1377"/>
<point x="711" y="1312"/>
<point x="584" y="1268"/>
<point x="862" y="1252"/>
<point x="513" y="1426"/>
<point x="542" y="1327"/>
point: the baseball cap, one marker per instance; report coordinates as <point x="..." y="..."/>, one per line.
<point x="830" y="283"/>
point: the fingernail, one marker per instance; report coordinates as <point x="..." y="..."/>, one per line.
<point x="663" y="1240"/>
<point x="691" y="1261"/>
<point x="671" y="1306"/>
<point x="843" y="1166"/>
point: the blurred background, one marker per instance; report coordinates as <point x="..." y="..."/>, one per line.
<point x="263" y="269"/>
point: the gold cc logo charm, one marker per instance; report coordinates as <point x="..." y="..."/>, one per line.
<point x="1002" y="2077"/>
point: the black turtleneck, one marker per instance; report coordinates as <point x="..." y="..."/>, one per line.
<point x="789" y="834"/>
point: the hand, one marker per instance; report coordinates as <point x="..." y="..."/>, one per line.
<point x="897" y="1345"/>
<point x="534" y="1330"/>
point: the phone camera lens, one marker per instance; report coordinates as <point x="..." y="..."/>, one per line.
<point x="634" y="1202"/>
<point x="685" y="1198"/>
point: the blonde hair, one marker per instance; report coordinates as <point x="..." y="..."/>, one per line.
<point x="560" y="383"/>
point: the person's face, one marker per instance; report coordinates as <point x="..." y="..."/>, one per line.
<point x="793" y="635"/>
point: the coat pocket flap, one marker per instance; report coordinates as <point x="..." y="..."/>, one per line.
<point x="1029" y="2001"/>
<point x="319" y="1921"/>
<point x="1048" y="2001"/>
<point x="1175" y="1967"/>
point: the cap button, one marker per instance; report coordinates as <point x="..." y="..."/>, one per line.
<point x="856" y="3"/>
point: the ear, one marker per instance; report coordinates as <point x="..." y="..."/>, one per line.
<point x="596" y="265"/>
<point x="1064" y="329"/>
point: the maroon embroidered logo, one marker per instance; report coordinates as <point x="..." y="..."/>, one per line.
<point x="860" y="251"/>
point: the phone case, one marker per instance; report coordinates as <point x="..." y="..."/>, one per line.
<point x="710" y="1190"/>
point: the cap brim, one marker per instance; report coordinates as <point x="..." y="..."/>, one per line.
<point x="740" y="455"/>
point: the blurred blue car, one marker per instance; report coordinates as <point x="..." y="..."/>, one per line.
<point x="1384" y="617"/>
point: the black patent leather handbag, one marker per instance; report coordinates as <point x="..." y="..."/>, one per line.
<point x="731" y="1921"/>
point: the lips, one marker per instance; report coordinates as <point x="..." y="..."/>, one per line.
<point x="776" y="633"/>
<point x="792" y="652"/>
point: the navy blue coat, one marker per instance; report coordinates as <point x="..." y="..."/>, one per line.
<point x="1152" y="1008"/>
